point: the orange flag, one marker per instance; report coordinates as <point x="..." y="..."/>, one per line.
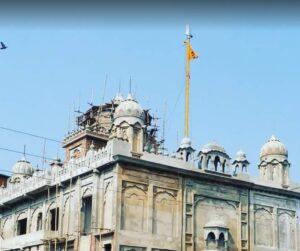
<point x="191" y="53"/>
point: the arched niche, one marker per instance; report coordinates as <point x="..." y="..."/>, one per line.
<point x="165" y="214"/>
<point x="68" y="215"/>
<point x="263" y="228"/>
<point x="134" y="208"/>
<point x="36" y="220"/>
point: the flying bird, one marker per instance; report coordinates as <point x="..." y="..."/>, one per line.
<point x="3" y="46"/>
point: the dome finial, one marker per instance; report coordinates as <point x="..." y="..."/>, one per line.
<point x="23" y="158"/>
<point x="273" y="138"/>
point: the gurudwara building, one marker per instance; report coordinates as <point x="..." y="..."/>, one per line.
<point x="117" y="189"/>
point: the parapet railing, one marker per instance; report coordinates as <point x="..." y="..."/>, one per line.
<point x="40" y="179"/>
<point x="27" y="185"/>
<point x="76" y="167"/>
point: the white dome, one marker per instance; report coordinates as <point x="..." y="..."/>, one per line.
<point x="23" y="167"/>
<point x="129" y="108"/>
<point x="186" y="143"/>
<point x="241" y="156"/>
<point x="213" y="146"/>
<point x="273" y="147"/>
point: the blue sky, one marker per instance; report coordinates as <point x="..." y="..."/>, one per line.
<point x="245" y="83"/>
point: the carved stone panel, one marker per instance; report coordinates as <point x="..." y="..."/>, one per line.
<point x="68" y="217"/>
<point x="34" y="220"/>
<point x="107" y="204"/>
<point x="263" y="227"/>
<point x="164" y="212"/>
<point x="286" y="230"/>
<point x="215" y="210"/>
<point x="7" y="227"/>
<point x="134" y="207"/>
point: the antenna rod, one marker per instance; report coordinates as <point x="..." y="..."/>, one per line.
<point x="104" y="89"/>
<point x="24" y="150"/>
<point x="130" y="85"/>
<point x="164" y="127"/>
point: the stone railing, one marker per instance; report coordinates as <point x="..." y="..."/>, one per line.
<point x="14" y="191"/>
<point x="42" y="179"/>
<point x="76" y="167"/>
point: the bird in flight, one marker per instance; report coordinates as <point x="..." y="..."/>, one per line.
<point x="3" y="46"/>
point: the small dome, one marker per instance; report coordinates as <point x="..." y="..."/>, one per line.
<point x="240" y="156"/>
<point x="129" y="108"/>
<point x="23" y="167"/>
<point x="273" y="147"/>
<point x="186" y="143"/>
<point x="213" y="146"/>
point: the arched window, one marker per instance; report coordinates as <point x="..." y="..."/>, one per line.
<point x="236" y="169"/>
<point x="39" y="222"/>
<point x="216" y="163"/>
<point x="221" y="241"/>
<point x="207" y="162"/>
<point x="211" y="241"/>
<point x="244" y="169"/>
<point x="187" y="156"/>
<point x="200" y="163"/>
<point x="223" y="166"/>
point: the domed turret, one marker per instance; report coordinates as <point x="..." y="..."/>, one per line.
<point x="240" y="163"/>
<point x="273" y="147"/>
<point x="128" y="124"/>
<point x="274" y="165"/>
<point x="212" y="147"/>
<point x="130" y="111"/>
<point x="22" y="169"/>
<point x="56" y="165"/>
<point x="214" y="157"/>
<point x="185" y="150"/>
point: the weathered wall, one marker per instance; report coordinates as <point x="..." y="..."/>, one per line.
<point x="274" y="222"/>
<point x="150" y="209"/>
<point x="68" y="200"/>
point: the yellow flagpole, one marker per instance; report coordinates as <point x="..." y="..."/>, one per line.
<point x="187" y="84"/>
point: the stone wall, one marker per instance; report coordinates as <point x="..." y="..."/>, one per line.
<point x="150" y="209"/>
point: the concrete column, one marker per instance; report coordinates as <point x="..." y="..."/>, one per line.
<point x="118" y="202"/>
<point x="77" y="204"/>
<point x="29" y="219"/>
<point x="44" y="214"/>
<point x="150" y="208"/>
<point x="95" y="206"/>
<point x="95" y="201"/>
<point x="60" y="201"/>
<point x="275" y="232"/>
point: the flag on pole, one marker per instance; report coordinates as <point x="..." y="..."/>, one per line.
<point x="191" y="53"/>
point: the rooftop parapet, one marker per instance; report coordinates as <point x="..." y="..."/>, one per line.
<point x="42" y="179"/>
